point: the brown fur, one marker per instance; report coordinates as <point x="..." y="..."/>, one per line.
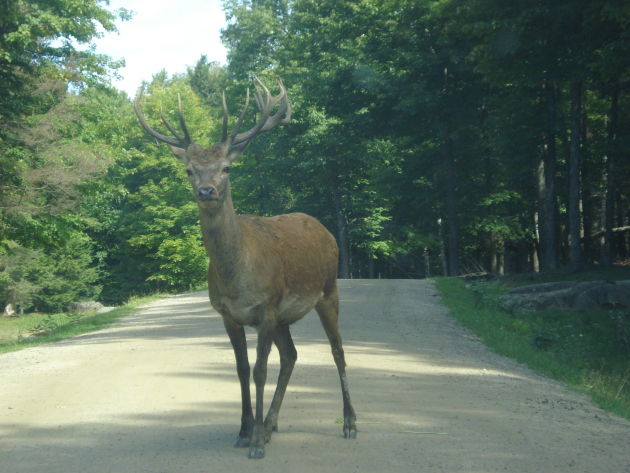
<point x="264" y="272"/>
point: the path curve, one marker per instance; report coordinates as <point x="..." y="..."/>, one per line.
<point x="158" y="392"/>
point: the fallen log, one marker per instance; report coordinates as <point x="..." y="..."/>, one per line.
<point x="603" y="232"/>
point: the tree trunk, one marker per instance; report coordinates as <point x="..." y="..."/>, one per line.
<point x="344" y="272"/>
<point x="609" y="198"/>
<point x="442" y="249"/>
<point x="453" y="253"/>
<point x="543" y="238"/>
<point x="622" y="247"/>
<point x="427" y="264"/>
<point x="507" y="261"/>
<point x="586" y="184"/>
<point x="551" y="246"/>
<point x="370" y="267"/>
<point x="565" y="242"/>
<point x="574" y="177"/>
<point x="493" y="253"/>
<point x="523" y="250"/>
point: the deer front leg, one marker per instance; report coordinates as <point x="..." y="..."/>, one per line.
<point x="265" y="338"/>
<point x="239" y="343"/>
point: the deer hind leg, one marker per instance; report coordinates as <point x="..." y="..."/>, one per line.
<point x="239" y="343"/>
<point x="328" y="310"/>
<point x="288" y="355"/>
<point x="265" y="338"/>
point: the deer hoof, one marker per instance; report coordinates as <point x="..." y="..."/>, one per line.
<point x="242" y="442"/>
<point x="269" y="430"/>
<point x="349" y="427"/>
<point x="257" y="453"/>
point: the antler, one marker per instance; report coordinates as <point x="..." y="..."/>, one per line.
<point x="179" y="141"/>
<point x="235" y="142"/>
<point x="239" y="141"/>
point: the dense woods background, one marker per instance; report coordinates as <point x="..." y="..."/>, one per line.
<point x="431" y="137"/>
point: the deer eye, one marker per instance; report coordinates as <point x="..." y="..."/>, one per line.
<point x="189" y="172"/>
<point x="226" y="169"/>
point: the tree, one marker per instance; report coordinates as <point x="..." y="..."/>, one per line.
<point x="39" y="36"/>
<point x="208" y="80"/>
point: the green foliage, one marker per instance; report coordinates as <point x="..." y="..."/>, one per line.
<point x="405" y="77"/>
<point x="380" y="91"/>
<point x="49" y="280"/>
<point x="161" y="225"/>
<point x="169" y="234"/>
<point x="28" y="30"/>
<point x="16" y="265"/>
<point x="208" y="80"/>
<point x="66" y="275"/>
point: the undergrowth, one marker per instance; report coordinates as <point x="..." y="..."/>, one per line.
<point x="589" y="351"/>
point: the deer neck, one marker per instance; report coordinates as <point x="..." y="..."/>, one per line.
<point x="222" y="239"/>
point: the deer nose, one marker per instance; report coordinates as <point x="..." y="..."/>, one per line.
<point x="206" y="193"/>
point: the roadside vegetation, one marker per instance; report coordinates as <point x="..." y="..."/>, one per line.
<point x="589" y="351"/>
<point x="36" y="329"/>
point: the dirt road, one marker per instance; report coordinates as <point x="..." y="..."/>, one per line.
<point x="159" y="393"/>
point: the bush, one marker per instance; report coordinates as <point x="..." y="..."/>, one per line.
<point x="48" y="280"/>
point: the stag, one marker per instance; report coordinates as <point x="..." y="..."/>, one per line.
<point x="265" y="273"/>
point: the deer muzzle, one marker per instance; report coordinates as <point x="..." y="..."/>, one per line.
<point x="207" y="193"/>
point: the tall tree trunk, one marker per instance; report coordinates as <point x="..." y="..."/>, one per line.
<point x="574" y="177"/>
<point x="588" y="200"/>
<point x="523" y="250"/>
<point x="551" y="246"/>
<point x="566" y="149"/>
<point x="352" y="263"/>
<point x="489" y="184"/>
<point x="622" y="247"/>
<point x="453" y="253"/>
<point x="493" y="253"/>
<point x="543" y="237"/>
<point x="442" y="249"/>
<point x="609" y="199"/>
<point x="344" y="257"/>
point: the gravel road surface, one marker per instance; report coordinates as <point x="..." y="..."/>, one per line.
<point x="158" y="392"/>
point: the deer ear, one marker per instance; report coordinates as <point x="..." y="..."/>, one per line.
<point x="180" y="153"/>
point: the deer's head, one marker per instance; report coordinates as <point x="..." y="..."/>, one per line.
<point x="208" y="168"/>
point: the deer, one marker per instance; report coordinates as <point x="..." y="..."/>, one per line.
<point x="264" y="272"/>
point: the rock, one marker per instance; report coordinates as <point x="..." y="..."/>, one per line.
<point x="546" y="287"/>
<point x="104" y="310"/>
<point x="568" y="296"/>
<point x="604" y="295"/>
<point x="87" y="306"/>
<point x="9" y="311"/>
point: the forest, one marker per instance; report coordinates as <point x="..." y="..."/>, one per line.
<point x="431" y="137"/>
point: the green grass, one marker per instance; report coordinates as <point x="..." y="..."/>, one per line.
<point x="587" y="350"/>
<point x="14" y="332"/>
